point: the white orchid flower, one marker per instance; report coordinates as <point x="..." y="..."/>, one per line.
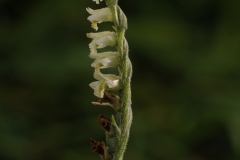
<point x="105" y="82"/>
<point x="105" y="59"/>
<point x="106" y="62"/>
<point x="111" y="80"/>
<point x="99" y="16"/>
<point x="101" y="40"/>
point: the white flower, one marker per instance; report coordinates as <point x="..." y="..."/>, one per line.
<point x="105" y="82"/>
<point x="106" y="62"/>
<point x="111" y="80"/>
<point x="101" y="40"/>
<point x="99" y="15"/>
<point x="97" y="1"/>
<point x="105" y="59"/>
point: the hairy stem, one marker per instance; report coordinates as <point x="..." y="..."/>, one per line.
<point x="124" y="115"/>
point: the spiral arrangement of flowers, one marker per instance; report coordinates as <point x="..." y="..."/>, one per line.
<point x="112" y="90"/>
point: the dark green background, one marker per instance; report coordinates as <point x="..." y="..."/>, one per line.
<point x="185" y="86"/>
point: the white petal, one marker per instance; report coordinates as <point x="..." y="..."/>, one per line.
<point x="101" y="40"/>
<point x="112" y="81"/>
<point x="98" y="87"/>
<point x="99" y="15"/>
<point x="106" y="62"/>
<point x="113" y="84"/>
<point x="105" y="41"/>
<point x="93" y="48"/>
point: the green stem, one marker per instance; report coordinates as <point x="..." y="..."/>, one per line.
<point x="124" y="115"/>
<point x="125" y="122"/>
<point x="125" y="112"/>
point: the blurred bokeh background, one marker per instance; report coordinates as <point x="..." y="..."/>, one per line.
<point x="185" y="86"/>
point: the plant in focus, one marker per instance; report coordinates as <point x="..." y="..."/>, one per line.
<point x="112" y="90"/>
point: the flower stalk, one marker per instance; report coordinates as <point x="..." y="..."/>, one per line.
<point x="112" y="90"/>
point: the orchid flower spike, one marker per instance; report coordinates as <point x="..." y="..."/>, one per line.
<point x="112" y="90"/>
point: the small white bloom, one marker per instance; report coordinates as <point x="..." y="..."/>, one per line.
<point x="97" y="1"/>
<point x="105" y="82"/>
<point x="99" y="16"/>
<point x="111" y="80"/>
<point x="101" y="40"/>
<point x="105" y="59"/>
<point x="106" y="62"/>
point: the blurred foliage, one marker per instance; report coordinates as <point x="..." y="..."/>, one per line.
<point x="186" y="81"/>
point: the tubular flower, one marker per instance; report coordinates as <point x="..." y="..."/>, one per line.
<point x="101" y="40"/>
<point x="105" y="82"/>
<point x="105" y="59"/>
<point x="106" y="62"/>
<point x="99" y="16"/>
